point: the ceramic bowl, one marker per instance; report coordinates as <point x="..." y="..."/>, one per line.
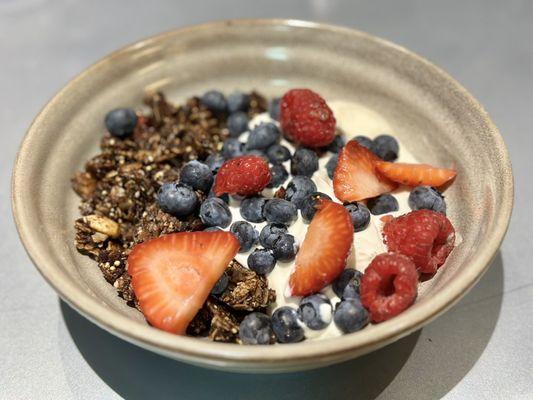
<point x="432" y="114"/>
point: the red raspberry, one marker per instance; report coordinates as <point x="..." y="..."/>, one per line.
<point x="306" y="118"/>
<point x="426" y="236"/>
<point x="245" y="175"/>
<point x="388" y="286"/>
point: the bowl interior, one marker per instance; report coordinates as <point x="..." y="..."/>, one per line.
<point x="430" y="113"/>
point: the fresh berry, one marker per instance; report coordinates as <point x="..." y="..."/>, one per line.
<point x="304" y="162"/>
<point x="309" y="205"/>
<point x="287" y="326"/>
<point x="197" y="175"/>
<point x="173" y="275"/>
<point x="350" y="316"/>
<point x="222" y="282"/>
<point x="121" y="122"/>
<point x="344" y="279"/>
<point x="359" y="214"/>
<point x="331" y="165"/>
<point x="237" y="123"/>
<point x="278" y="154"/>
<point x="245" y="176"/>
<point x="285" y="248"/>
<point x="298" y="189"/>
<point x="212" y="229"/>
<point x="415" y="174"/>
<point x="245" y="233"/>
<point x="238" y="101"/>
<point x="315" y="311"/>
<point x="214" y="101"/>
<point x="274" y="108"/>
<point x="388" y="286"/>
<point x="365" y="141"/>
<point x="256" y="328"/>
<point x="252" y="209"/>
<point x="280" y="211"/>
<point x="383" y="204"/>
<point x="356" y="177"/>
<point x="232" y="148"/>
<point x="270" y="234"/>
<point x="214" y="162"/>
<point x="324" y="251"/>
<point x="337" y="144"/>
<point x="263" y="136"/>
<point x="385" y="147"/>
<point x="177" y="199"/>
<point x="223" y="197"/>
<point x="426" y="236"/>
<point x="427" y="198"/>
<point x="306" y="118"/>
<point x="352" y="289"/>
<point x="278" y="175"/>
<point x="262" y="261"/>
<point x="215" y="212"/>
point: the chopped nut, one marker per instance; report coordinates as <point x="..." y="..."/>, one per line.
<point x="103" y="225"/>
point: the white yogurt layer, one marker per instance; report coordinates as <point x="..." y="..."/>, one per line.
<point x="353" y="119"/>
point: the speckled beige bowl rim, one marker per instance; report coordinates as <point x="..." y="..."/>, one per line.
<point x="268" y="358"/>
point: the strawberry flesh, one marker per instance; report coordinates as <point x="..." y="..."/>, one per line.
<point x="415" y="174"/>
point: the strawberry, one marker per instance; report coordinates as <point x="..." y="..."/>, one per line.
<point x="355" y="177"/>
<point x="173" y="275"/>
<point x="415" y="174"/>
<point x="322" y="256"/>
<point x="244" y="175"/>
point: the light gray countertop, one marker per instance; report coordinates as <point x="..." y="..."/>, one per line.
<point x="481" y="349"/>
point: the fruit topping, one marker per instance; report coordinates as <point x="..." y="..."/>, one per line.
<point x="215" y="212"/>
<point x="261" y="261"/>
<point x="256" y="328"/>
<point x="287" y="325"/>
<point x="121" y="122"/>
<point x="177" y="199"/>
<point x="280" y="211"/>
<point x="383" y="204"/>
<point x="197" y="175"/>
<point x="298" y="189"/>
<point x="246" y="234"/>
<point x="285" y="248"/>
<point x="277" y="154"/>
<point x="245" y="176"/>
<point x="237" y="123"/>
<point x="304" y="162"/>
<point x="270" y="234"/>
<point x="350" y="316"/>
<point x="385" y="147"/>
<point x="427" y="198"/>
<point x="215" y="101"/>
<point x="252" y="208"/>
<point x="309" y="205"/>
<point x="278" y="175"/>
<point x="415" y="174"/>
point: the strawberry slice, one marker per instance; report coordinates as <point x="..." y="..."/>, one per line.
<point x="322" y="256"/>
<point x="173" y="275"/>
<point x="356" y="177"/>
<point x="415" y="174"/>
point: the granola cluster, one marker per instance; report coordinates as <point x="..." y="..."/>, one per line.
<point x="117" y="189"/>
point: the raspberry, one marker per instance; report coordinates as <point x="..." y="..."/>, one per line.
<point x="388" y="286"/>
<point x="245" y="176"/>
<point x="306" y="118"/>
<point x="425" y="236"/>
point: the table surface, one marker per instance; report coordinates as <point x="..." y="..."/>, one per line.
<point x="481" y="348"/>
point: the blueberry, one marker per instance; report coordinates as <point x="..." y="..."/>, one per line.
<point x="224" y="197"/>
<point x="261" y="261"/>
<point x="383" y="204"/>
<point x="337" y="144"/>
<point x="351" y="290"/>
<point x="232" y="148"/>
<point x="215" y="212"/>
<point x="214" y="101"/>
<point x="237" y="123"/>
<point x="280" y="211"/>
<point x="386" y="147"/>
<point x="274" y="108"/>
<point x="212" y="229"/>
<point x="331" y="165"/>
<point x="278" y="175"/>
<point x="287" y="326"/>
<point x="197" y="175"/>
<point x="177" y="199"/>
<point x="238" y="101"/>
<point x="121" y="122"/>
<point x="270" y="234"/>
<point x="256" y="328"/>
<point x="304" y="162"/>
<point x="252" y="208"/>
<point x="214" y="162"/>
<point x="278" y="154"/>
<point x="365" y="142"/>
<point x="350" y="316"/>
<point x="309" y="205"/>
<point x="257" y="153"/>
<point x="315" y="311"/>
<point x="342" y="280"/>
<point x="359" y="214"/>
<point x="285" y="248"/>
<point x="221" y="285"/>
<point x="246" y="234"/>
<point x="263" y="136"/>
<point x="298" y="189"/>
<point x="427" y="198"/>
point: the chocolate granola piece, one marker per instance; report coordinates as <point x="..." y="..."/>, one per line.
<point x="125" y="290"/>
<point x="84" y="184"/>
<point x="280" y="193"/>
<point x="88" y="240"/>
<point x="258" y="104"/>
<point x="224" y="326"/>
<point x="201" y="323"/>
